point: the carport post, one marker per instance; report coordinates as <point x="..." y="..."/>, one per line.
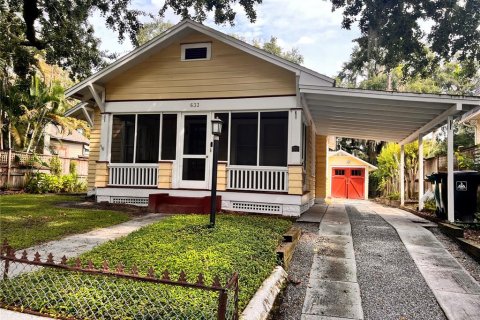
<point x="420" y="172"/>
<point x="402" y="175"/>
<point x="450" y="180"/>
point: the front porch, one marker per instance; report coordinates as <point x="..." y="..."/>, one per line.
<point x="266" y="158"/>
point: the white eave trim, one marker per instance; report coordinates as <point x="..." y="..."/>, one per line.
<point x="346" y="154"/>
<point x="399" y="96"/>
<point x="172" y="32"/>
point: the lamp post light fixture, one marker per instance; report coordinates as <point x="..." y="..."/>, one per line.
<point x="216" y="131"/>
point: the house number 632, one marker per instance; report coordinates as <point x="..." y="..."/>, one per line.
<point x="194" y="104"/>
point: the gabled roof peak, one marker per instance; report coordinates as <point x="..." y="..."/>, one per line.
<point x="167" y="37"/>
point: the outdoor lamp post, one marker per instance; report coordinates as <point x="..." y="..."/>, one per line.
<point x="216" y="131"/>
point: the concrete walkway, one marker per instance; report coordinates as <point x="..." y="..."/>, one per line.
<point x="376" y="262"/>
<point x="75" y="245"/>
<point x="333" y="291"/>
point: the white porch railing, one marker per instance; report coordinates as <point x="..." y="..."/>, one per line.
<point x="257" y="178"/>
<point x="133" y="174"/>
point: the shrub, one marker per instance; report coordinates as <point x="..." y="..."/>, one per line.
<point x="394" y="196"/>
<point x="73" y="167"/>
<point x="69" y="183"/>
<point x="430" y="205"/>
<point x="45" y="183"/>
<point x="55" y="166"/>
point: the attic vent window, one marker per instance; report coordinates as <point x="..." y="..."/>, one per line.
<point x="196" y="51"/>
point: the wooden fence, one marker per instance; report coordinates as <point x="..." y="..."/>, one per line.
<point x="21" y="164"/>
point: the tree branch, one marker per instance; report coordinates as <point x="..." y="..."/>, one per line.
<point x="30" y="14"/>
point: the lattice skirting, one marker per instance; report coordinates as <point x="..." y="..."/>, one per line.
<point x="143" y="202"/>
<point x="285" y="205"/>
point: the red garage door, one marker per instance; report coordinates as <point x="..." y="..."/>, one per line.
<point x="348" y="183"/>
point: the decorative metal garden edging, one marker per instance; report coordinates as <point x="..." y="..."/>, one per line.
<point x="69" y="289"/>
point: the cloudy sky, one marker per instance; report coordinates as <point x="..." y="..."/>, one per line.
<point x="309" y="25"/>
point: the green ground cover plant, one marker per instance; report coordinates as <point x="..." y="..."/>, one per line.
<point x="239" y="243"/>
<point x="27" y="219"/>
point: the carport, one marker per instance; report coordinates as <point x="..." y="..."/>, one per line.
<point x="387" y="116"/>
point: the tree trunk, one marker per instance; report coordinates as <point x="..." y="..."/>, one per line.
<point x="1" y="129"/>
<point x="389" y="81"/>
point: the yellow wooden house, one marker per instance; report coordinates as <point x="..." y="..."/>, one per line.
<point x="151" y="113"/>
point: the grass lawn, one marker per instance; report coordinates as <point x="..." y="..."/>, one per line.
<point x="28" y="219"/>
<point x="242" y="243"/>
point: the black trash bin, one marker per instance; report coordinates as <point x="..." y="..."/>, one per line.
<point x="465" y="193"/>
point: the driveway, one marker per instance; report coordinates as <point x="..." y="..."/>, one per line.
<point x="376" y="262"/>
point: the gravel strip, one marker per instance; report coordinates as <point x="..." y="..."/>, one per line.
<point x="290" y="302"/>
<point x="391" y="285"/>
<point x="472" y="266"/>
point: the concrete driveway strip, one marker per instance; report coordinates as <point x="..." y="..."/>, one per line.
<point x="455" y="289"/>
<point x="391" y="285"/>
<point x="333" y="291"/>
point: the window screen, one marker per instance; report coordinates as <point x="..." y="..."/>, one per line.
<point x="243" y="150"/>
<point x="148" y="131"/>
<point x="169" y="136"/>
<point x="223" y="143"/>
<point x="273" y="138"/>
<point x="123" y="138"/>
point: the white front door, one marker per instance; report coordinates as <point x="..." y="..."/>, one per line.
<point x="195" y="150"/>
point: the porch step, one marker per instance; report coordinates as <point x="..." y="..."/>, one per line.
<point x="292" y="235"/>
<point x="286" y="249"/>
<point x="164" y="203"/>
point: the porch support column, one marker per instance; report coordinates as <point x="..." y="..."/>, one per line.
<point x="295" y="137"/>
<point x="402" y="175"/>
<point x="420" y="172"/>
<point x="105" y="136"/>
<point x="450" y="180"/>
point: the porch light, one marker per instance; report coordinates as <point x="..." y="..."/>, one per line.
<point x="217" y="126"/>
<point x="216" y="131"/>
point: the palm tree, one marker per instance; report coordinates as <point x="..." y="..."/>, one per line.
<point x="27" y="114"/>
<point x="45" y="105"/>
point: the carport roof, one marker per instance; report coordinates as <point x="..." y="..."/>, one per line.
<point x="380" y="115"/>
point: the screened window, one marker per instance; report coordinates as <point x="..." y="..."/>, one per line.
<point x="123" y="138"/>
<point x="148" y="131"/>
<point x="243" y="150"/>
<point x="273" y="138"/>
<point x="224" y="138"/>
<point x="169" y="136"/>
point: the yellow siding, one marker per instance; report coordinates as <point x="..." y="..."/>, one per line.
<point x="230" y="73"/>
<point x="94" y="148"/>
<point x="310" y="174"/>
<point x="295" y="185"/>
<point x="321" y="166"/>
<point x="222" y="177"/>
<point x="101" y="174"/>
<point x="165" y="175"/>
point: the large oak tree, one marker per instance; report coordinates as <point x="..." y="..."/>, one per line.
<point x="62" y="31"/>
<point x="395" y="32"/>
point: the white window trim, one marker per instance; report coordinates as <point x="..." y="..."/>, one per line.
<point x="208" y="45"/>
